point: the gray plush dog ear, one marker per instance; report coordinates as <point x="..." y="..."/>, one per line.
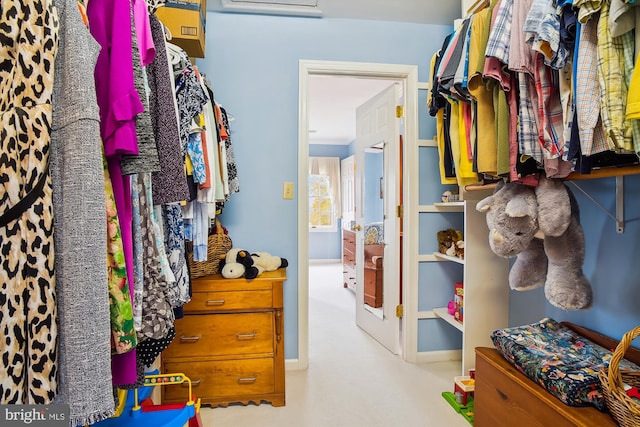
<point x="554" y="206"/>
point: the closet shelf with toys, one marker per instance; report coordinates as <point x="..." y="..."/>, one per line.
<point x="477" y="270"/>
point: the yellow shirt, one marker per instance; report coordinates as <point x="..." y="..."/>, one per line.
<point x="482" y="95"/>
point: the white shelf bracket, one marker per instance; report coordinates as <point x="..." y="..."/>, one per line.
<point x="619" y="216"/>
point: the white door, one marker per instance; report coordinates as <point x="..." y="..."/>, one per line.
<point x="347" y="176"/>
<point x="377" y="182"/>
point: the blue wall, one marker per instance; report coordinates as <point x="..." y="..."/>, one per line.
<point x="253" y="64"/>
<point x="373" y="170"/>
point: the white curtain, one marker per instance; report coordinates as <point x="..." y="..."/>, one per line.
<point x="329" y="166"/>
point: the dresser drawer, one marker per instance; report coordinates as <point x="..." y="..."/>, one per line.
<point x="349" y="240"/>
<point x="349" y="259"/>
<point x="349" y="277"/>
<point x="207" y="302"/>
<point x="223" y="378"/>
<point x="222" y="334"/>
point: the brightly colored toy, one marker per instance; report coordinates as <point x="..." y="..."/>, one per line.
<point x="463" y="388"/>
<point x="136" y="408"/>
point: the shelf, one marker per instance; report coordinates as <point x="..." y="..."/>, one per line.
<point x="427" y="143"/>
<point x="443" y="313"/>
<point x="606" y="172"/>
<point x="445" y="257"/>
<point x="449" y="204"/>
<point x="442" y="207"/>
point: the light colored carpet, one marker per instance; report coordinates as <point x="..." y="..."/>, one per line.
<point x="352" y="380"/>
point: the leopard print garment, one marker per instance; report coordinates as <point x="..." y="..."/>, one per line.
<point x="28" y="45"/>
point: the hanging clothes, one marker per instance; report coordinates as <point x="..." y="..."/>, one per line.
<point x="147" y="158"/>
<point x="157" y="313"/>
<point x="231" y="167"/>
<point x="29" y="374"/>
<point x="169" y="185"/>
<point x="81" y="234"/>
<point x="560" y="73"/>
<point x="110" y="24"/>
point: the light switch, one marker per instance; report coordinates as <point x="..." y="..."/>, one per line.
<point x="287" y="191"/>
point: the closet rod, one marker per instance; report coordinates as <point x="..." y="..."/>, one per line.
<point x="619" y="216"/>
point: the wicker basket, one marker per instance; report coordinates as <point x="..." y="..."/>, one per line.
<point x="624" y="409"/>
<point x="218" y="244"/>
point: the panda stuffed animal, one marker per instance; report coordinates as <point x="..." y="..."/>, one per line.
<point x="238" y="263"/>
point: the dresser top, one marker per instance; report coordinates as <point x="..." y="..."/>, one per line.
<point x="279" y="274"/>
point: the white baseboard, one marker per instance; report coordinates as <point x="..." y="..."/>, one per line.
<point x="438" y="356"/>
<point x="292" y="365"/>
<point x="324" y="261"/>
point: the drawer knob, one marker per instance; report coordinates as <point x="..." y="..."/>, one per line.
<point x="245" y="337"/>
<point x="215" y="302"/>
<point x="189" y="339"/>
<point x="194" y="383"/>
<point x="247" y="380"/>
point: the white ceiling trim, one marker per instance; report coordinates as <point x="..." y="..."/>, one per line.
<point x="274" y="7"/>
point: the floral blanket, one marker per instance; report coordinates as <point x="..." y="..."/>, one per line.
<point x="559" y="359"/>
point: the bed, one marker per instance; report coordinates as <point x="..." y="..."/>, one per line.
<point x="506" y="396"/>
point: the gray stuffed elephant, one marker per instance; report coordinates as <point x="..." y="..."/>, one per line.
<point x="540" y="226"/>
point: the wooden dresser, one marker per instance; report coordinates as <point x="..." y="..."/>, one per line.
<point x="373" y="274"/>
<point x="230" y="342"/>
<point x="349" y="259"/>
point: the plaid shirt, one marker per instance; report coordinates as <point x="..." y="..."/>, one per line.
<point x="587" y="93"/>
<point x="528" y="120"/>
<point x="550" y="126"/>
<point x="500" y="34"/>
<point x="586" y="9"/>
<point x="613" y="85"/>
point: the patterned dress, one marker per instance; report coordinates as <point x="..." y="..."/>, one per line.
<point x="28" y="317"/>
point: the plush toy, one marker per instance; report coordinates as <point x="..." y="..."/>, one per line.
<point x="541" y="227"/>
<point x="237" y="263"/>
<point x="240" y="263"/>
<point x="448" y="239"/>
<point x="264" y="261"/>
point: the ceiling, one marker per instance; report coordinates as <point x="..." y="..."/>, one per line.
<point x="333" y="99"/>
<point x="332" y="106"/>
<point x="418" y="11"/>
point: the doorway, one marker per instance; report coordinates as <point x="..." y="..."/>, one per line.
<point x="407" y="75"/>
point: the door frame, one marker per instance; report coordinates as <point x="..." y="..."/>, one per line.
<point x="409" y="75"/>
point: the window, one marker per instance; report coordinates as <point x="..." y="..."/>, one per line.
<point x="324" y="193"/>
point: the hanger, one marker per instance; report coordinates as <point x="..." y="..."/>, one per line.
<point x="477" y="6"/>
<point x="177" y="57"/>
<point x="167" y="32"/>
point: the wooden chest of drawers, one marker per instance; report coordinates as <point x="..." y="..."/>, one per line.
<point x="349" y="259"/>
<point x="230" y="342"/>
<point x="505" y="397"/>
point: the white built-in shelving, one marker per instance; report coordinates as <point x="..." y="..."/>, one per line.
<point x="485" y="278"/>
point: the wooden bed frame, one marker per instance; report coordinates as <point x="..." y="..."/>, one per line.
<point x="505" y="397"/>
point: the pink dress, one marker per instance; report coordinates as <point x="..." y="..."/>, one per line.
<point x="110" y="25"/>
